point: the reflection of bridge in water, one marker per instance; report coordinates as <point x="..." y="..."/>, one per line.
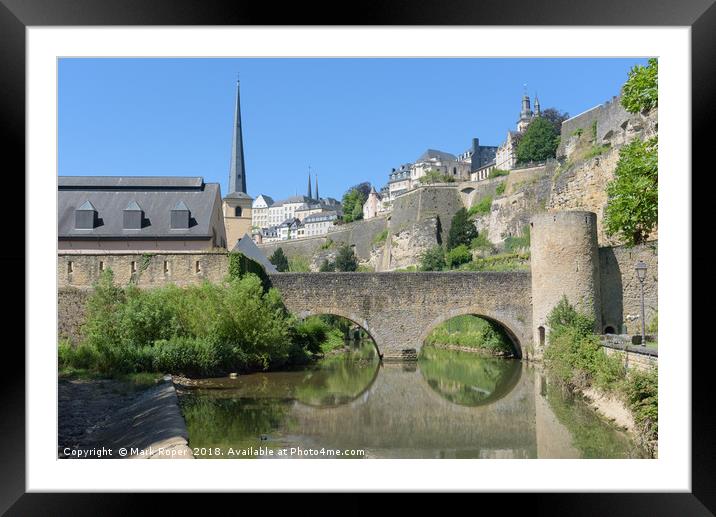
<point x="401" y="413"/>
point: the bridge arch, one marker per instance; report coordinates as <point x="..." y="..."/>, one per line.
<point x="350" y="316"/>
<point x="505" y="323"/>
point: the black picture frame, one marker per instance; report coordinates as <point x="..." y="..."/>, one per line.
<point x="17" y="15"/>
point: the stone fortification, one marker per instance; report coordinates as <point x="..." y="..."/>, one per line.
<point x="564" y="262"/>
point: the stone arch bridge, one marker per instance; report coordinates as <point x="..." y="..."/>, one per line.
<point x="399" y="310"/>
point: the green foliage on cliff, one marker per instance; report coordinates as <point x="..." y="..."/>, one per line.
<point x="539" y="142"/>
<point x="633" y="194"/>
<point x="520" y="242"/>
<point x="641" y="90"/>
<point x="299" y="265"/>
<point x="278" y="259"/>
<point x="481" y="207"/>
<point x="457" y="256"/>
<point x="433" y="259"/>
<point x="381" y="237"/>
<point x="500" y="188"/>
<point x="196" y="330"/>
<point x="462" y="230"/>
<point x="346" y="259"/>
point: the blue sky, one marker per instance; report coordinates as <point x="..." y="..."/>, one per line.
<point x="350" y="120"/>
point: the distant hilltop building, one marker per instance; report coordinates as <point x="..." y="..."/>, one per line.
<point x="459" y="168"/>
<point x="237" y="203"/>
<point x="139" y="213"/>
<point x="294" y="217"/>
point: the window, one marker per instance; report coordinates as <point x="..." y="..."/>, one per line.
<point x="134" y="267"/>
<point x="197" y="266"/>
<point x="70" y="267"/>
<point x="166" y="267"/>
<point x="541" y="335"/>
<point x="101" y="265"/>
<point x="237" y="211"/>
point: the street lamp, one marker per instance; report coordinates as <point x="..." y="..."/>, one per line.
<point x="641" y="275"/>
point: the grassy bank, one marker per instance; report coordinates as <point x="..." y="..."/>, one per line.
<point x="471" y="333"/>
<point x="204" y="330"/>
<point x="577" y="359"/>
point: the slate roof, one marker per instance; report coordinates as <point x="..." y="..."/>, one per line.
<point x="238" y="195"/>
<point x="247" y="246"/>
<point x="435" y="154"/>
<point x="156" y="196"/>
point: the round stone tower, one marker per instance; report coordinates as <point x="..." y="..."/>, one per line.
<point x="565" y="262"/>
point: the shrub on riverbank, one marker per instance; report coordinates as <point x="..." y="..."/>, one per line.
<point x="197" y="330"/>
<point x="577" y="359"/>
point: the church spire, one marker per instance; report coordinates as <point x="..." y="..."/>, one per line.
<point x="309" y="183"/>
<point x="537" y="108"/>
<point x="317" y="196"/>
<point x="237" y="173"/>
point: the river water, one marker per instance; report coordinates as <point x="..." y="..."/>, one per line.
<point x="447" y="405"/>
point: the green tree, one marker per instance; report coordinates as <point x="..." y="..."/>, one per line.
<point x="353" y="201"/>
<point x="555" y="117"/>
<point x="462" y="230"/>
<point x="539" y="141"/>
<point x="346" y="259"/>
<point x="433" y="259"/>
<point x="278" y="259"/>
<point x="633" y="194"/>
<point x="641" y="90"/>
<point x="326" y="266"/>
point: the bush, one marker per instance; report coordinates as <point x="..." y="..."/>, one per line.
<point x="458" y="255"/>
<point x="197" y="330"/>
<point x="481" y="242"/>
<point x="432" y="259"/>
<point x="192" y="356"/>
<point x="642" y="393"/>
<point x="501" y="188"/>
<point x="310" y="334"/>
<point x="326" y="266"/>
<point x="81" y="357"/>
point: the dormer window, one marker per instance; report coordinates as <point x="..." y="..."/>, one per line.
<point x="133" y="216"/>
<point x="180" y="217"/>
<point x="86" y="216"/>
